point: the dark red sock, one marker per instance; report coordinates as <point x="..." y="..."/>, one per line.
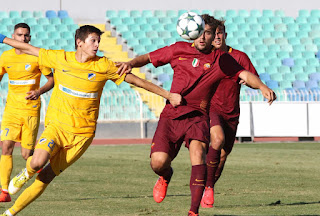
<point x="197" y="183"/>
<point x="166" y="173"/>
<point x="213" y="160"/>
<point x="218" y="172"/>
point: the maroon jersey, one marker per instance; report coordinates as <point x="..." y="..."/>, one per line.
<point x="196" y="75"/>
<point x="227" y="96"/>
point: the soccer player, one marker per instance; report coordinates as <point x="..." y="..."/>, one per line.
<point x="224" y="117"/>
<point x="73" y="109"/>
<point x="198" y="69"/>
<point x="21" y="117"/>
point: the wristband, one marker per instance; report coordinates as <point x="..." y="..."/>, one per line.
<point x="2" y="37"/>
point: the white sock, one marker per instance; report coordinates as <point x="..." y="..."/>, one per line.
<point x="8" y="213"/>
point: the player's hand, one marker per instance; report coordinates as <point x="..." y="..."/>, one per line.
<point x="123" y="68"/>
<point x="33" y="95"/>
<point x="2" y="37"/>
<point x="175" y="99"/>
<point x="242" y="82"/>
<point x="268" y="94"/>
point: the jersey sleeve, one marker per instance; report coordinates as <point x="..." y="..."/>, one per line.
<point x="47" y="58"/>
<point x="45" y="70"/>
<point x="230" y="66"/>
<point x="112" y="72"/>
<point x="247" y="64"/>
<point x="161" y="56"/>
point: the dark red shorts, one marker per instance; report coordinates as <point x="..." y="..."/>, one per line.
<point x="229" y="128"/>
<point x="171" y="133"/>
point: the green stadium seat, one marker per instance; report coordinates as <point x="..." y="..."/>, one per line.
<point x="308" y="55"/>
<point x="159" y="13"/>
<point x="158" y="41"/>
<point x="115" y="21"/>
<point x="275" y="20"/>
<point x="133" y="42"/>
<point x="180" y="12"/>
<point x="300" y="62"/>
<point x="4" y="14"/>
<point x="309" y="69"/>
<point x="243" y="41"/>
<point x="297" y="69"/>
<point x="243" y="13"/>
<point x="164" y="34"/>
<point x="55" y="47"/>
<point x="313" y="62"/>
<point x="145" y="41"/>
<point x="218" y="14"/>
<point x="41" y="35"/>
<point x="285" y="84"/>
<point x="36" y="43"/>
<point x="262" y="47"/>
<point x="243" y="27"/>
<point x="152" y="20"/>
<point x="134" y="27"/>
<point x="313" y="20"/>
<point x="292" y="27"/>
<point x="301" y="20"/>
<point x="305" y="41"/>
<point x="305" y="27"/>
<point x="67" y="35"/>
<point x="26" y="14"/>
<point x="48" y="42"/>
<point x="287" y="20"/>
<point x="267" y="13"/>
<point x="301" y="34"/>
<point x="123" y="13"/>
<point x="111" y="14"/>
<point x="251" y="20"/>
<point x="231" y="27"/>
<point x="276" y="76"/>
<point x="289" y="34"/>
<point x="151" y="48"/>
<point x="258" y="54"/>
<point x="284" y="69"/>
<point x="43" y="21"/>
<point x="147" y="13"/>
<point x="275" y="61"/>
<point x="256" y="41"/>
<point x="3" y="28"/>
<point x="316" y="41"/>
<point x="251" y="34"/>
<point x="315" y="27"/>
<point x="37" y="14"/>
<point x="31" y="21"/>
<point x="55" y="21"/>
<point x="49" y="28"/>
<point x="283" y="54"/>
<point x="36" y="28"/>
<point x="158" y="27"/>
<point x="231" y="14"/>
<point x="268" y="27"/>
<point x="136" y="34"/>
<point x="315" y="13"/>
<point x="238" y="20"/>
<point x="73" y="27"/>
<point x="263" y="20"/>
<point x="62" y="28"/>
<point x="304" y="13"/>
<point x="169" y="41"/>
<point x="294" y="41"/>
<point x="135" y="13"/>
<point x="210" y="12"/>
<point x="128" y="20"/>
<point x="145" y="27"/>
<point x="17" y="20"/>
<point x="170" y="27"/>
<point x="270" y="54"/>
<point x="67" y="21"/>
<point x="152" y="34"/>
<point x="255" y="13"/>
<point x="140" y="20"/>
<point x="277" y="34"/>
<point x="302" y="76"/>
<point x="262" y="62"/>
<point x="296" y="53"/>
<point x="255" y="27"/>
<point x="171" y="13"/>
<point x="165" y="20"/>
<point x="14" y="14"/>
<point x="249" y="48"/>
<point x="139" y="49"/>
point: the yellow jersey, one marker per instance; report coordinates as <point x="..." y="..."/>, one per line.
<point x="75" y="100"/>
<point x="24" y="75"/>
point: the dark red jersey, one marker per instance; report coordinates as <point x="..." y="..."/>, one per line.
<point x="196" y="75"/>
<point x="227" y="96"/>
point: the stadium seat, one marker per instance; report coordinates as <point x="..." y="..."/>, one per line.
<point x="276" y="76"/>
<point x="128" y="20"/>
<point x="285" y="84"/>
<point x="289" y="77"/>
<point x="111" y="14"/>
<point x="302" y="76"/>
<point x="147" y="13"/>
<point x="287" y="20"/>
<point x="67" y="21"/>
<point x="180" y="12"/>
<point x="255" y="13"/>
<point x="296" y="54"/>
<point x="298" y="84"/>
<point x="284" y="69"/>
<point x="274" y="48"/>
<point x="304" y="13"/>
<point x="55" y="21"/>
<point x="31" y="21"/>
<point x="17" y="20"/>
<point x="311" y="84"/>
<point x="14" y="14"/>
<point x="4" y="14"/>
<point x="263" y="20"/>
<point x="272" y="84"/>
<point x="283" y="54"/>
<point x="264" y="77"/>
<point x="50" y="14"/>
<point x="172" y="13"/>
<point x="123" y="13"/>
<point x="43" y="21"/>
<point x="288" y="62"/>
<point x="210" y="12"/>
<point x="26" y="14"/>
<point x="275" y="20"/>
<point x="314" y="76"/>
<point x="135" y="13"/>
<point x="315" y="13"/>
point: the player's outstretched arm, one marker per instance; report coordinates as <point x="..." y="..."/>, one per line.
<point x="35" y="94"/>
<point x="25" y="47"/>
<point x="126" y="67"/>
<point x="1" y="77"/>
<point x="254" y="82"/>
<point x="174" y="98"/>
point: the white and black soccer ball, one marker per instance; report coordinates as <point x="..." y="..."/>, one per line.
<point x="190" y="26"/>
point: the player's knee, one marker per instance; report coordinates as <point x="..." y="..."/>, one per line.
<point x="217" y="141"/>
<point x="37" y="163"/>
<point x="158" y="164"/>
<point x="26" y="154"/>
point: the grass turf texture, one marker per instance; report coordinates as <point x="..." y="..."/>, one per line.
<point x="259" y="179"/>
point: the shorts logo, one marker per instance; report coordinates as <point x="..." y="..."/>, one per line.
<point x="34" y="106"/>
<point x="9" y="66"/>
<point x="180" y="58"/>
<point x="206" y="66"/>
<point x="63" y="70"/>
<point x="43" y="140"/>
<point x="27" y="67"/>
<point x="91" y="76"/>
<point x="195" y="62"/>
<point x="152" y="145"/>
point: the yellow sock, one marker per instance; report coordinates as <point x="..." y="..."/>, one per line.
<point x="5" y="170"/>
<point x="28" y="196"/>
<point x="30" y="171"/>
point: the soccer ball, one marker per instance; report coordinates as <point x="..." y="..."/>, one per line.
<point x="190" y="26"/>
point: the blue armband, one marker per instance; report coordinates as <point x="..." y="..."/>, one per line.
<point x="2" y="37"/>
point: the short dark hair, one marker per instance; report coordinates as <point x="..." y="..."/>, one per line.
<point x="22" y="25"/>
<point x="83" y="32"/>
<point x="221" y="24"/>
<point x="210" y="20"/>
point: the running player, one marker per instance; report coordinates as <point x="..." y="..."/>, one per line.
<point x="224" y="117"/>
<point x="21" y="117"/>
<point x="198" y="68"/>
<point x="73" y="109"/>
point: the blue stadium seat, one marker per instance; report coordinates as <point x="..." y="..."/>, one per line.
<point x="264" y="77"/>
<point x="314" y="76"/>
<point x="272" y="84"/>
<point x="288" y="62"/>
<point x="50" y="14"/>
<point x="311" y="84"/>
<point x="63" y="14"/>
<point x="298" y="84"/>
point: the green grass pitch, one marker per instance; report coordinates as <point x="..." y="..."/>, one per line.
<point x="259" y="179"/>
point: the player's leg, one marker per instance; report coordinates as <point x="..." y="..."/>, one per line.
<point x="197" y="151"/>
<point x="33" y="191"/>
<point x="6" y="165"/>
<point x="29" y="135"/>
<point x="223" y="159"/>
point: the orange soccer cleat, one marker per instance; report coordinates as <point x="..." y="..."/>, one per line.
<point x="160" y="189"/>
<point x="191" y="213"/>
<point x="5" y="196"/>
<point x="207" y="200"/>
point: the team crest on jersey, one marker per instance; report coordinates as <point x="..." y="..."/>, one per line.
<point x="206" y="66"/>
<point x="195" y="62"/>
<point x="91" y="76"/>
<point x="27" y="67"/>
